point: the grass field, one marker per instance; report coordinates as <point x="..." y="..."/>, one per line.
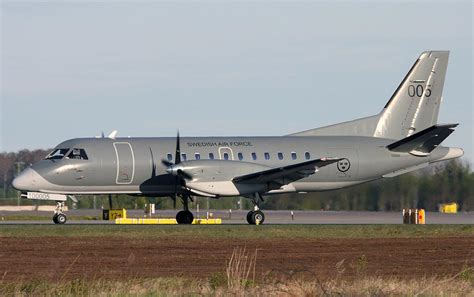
<point x="239" y="231"/>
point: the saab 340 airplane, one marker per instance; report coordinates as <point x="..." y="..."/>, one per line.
<point x="403" y="137"/>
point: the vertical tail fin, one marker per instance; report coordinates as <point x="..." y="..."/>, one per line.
<point x="415" y="104"/>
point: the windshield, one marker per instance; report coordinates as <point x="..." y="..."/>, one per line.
<point x="57" y="154"/>
<point x="78" y="154"/>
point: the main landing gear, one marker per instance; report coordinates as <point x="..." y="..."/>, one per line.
<point x="256" y="216"/>
<point x="185" y="216"/>
<point x="59" y="217"/>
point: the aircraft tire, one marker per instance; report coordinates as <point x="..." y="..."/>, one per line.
<point x="184" y="217"/>
<point x="249" y="218"/>
<point x="61" y="218"/>
<point x="258" y="215"/>
<point x="55" y="218"/>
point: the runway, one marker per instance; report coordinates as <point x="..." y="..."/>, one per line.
<point x="285" y="217"/>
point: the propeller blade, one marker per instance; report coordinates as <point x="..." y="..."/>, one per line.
<point x="174" y="201"/>
<point x="179" y="174"/>
<point x="177" y="159"/>
<point x="166" y="162"/>
<point x="184" y="174"/>
<point x="110" y="201"/>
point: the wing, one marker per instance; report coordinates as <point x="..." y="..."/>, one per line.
<point x="285" y="175"/>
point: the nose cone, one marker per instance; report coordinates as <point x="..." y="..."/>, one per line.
<point x="27" y="180"/>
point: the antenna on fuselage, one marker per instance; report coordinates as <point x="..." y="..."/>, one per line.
<point x="113" y="134"/>
<point x="101" y="135"/>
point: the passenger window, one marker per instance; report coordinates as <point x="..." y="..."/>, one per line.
<point x="211" y="156"/>
<point x="57" y="154"/>
<point x="293" y="156"/>
<point x="183" y="157"/>
<point x="307" y="156"/>
<point x="267" y="156"/>
<point x="78" y="154"/>
<point x="226" y="156"/>
<point x="254" y="156"/>
<point x="240" y="156"/>
<point x="280" y="156"/>
<point x="197" y="156"/>
<point x="169" y="157"/>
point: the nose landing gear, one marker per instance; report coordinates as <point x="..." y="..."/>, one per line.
<point x="59" y="217"/>
<point x="256" y="216"/>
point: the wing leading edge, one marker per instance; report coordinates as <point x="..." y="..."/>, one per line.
<point x="285" y="175"/>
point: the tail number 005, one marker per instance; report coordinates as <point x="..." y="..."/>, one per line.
<point x="418" y="91"/>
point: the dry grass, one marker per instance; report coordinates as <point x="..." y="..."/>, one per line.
<point x="238" y="268"/>
<point x="296" y="287"/>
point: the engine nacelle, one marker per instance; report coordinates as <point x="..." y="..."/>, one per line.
<point x="214" y="177"/>
<point x="217" y="170"/>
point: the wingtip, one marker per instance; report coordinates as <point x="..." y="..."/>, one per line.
<point x="453" y="153"/>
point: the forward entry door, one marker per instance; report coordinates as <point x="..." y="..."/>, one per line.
<point x="125" y="163"/>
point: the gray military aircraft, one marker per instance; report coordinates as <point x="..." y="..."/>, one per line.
<point x="403" y="137"/>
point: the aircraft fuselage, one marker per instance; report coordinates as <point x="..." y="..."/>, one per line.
<point x="133" y="165"/>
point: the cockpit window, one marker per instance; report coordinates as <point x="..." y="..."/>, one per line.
<point x="57" y="154"/>
<point x="78" y="154"/>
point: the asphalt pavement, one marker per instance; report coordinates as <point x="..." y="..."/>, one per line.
<point x="239" y="217"/>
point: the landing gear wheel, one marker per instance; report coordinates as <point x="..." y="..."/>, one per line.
<point x="254" y="216"/>
<point x="184" y="217"/>
<point x="258" y="216"/>
<point x="249" y="218"/>
<point x="60" y="218"/>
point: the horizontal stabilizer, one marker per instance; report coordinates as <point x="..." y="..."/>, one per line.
<point x="285" y="175"/>
<point x="423" y="142"/>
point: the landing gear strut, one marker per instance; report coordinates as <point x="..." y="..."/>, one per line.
<point x="59" y="217"/>
<point x="185" y="216"/>
<point x="256" y="216"/>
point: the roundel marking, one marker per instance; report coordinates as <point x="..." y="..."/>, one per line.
<point x="343" y="165"/>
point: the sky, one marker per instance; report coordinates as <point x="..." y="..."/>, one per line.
<point x="74" y="69"/>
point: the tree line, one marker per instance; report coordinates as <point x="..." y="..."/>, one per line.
<point x="451" y="181"/>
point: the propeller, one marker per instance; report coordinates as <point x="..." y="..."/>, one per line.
<point x="176" y="169"/>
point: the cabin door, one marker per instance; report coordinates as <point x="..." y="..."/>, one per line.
<point x="125" y="163"/>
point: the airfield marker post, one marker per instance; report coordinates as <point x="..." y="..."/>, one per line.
<point x="413" y="216"/>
